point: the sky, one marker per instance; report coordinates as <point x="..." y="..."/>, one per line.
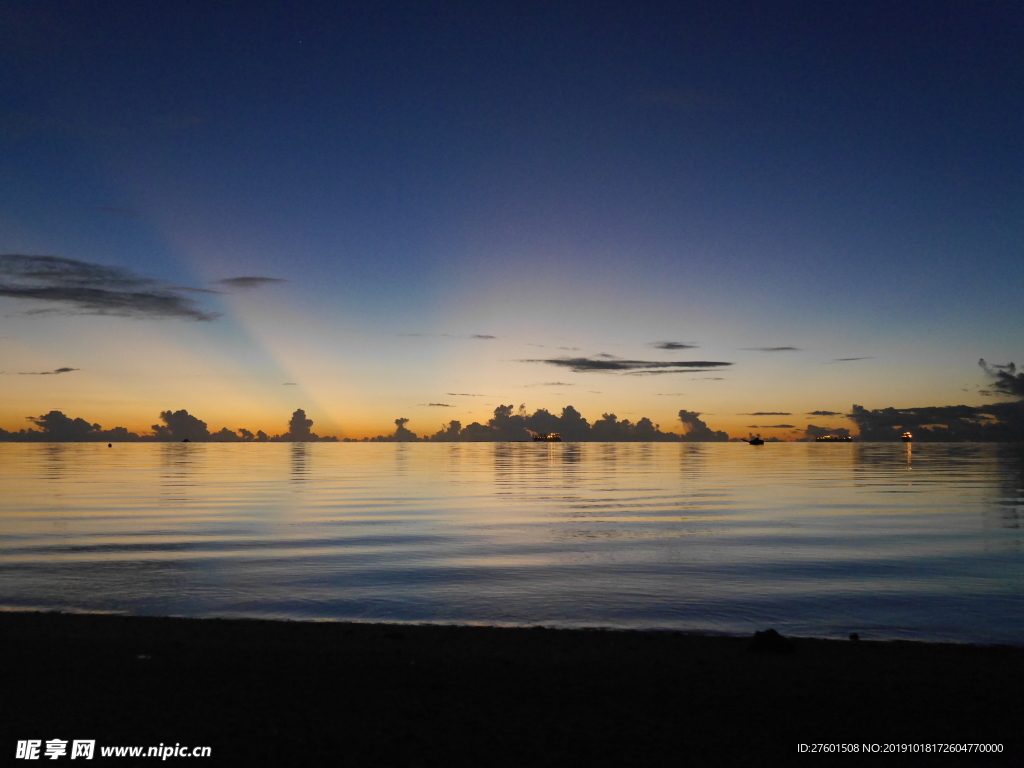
<point x="452" y="206"/>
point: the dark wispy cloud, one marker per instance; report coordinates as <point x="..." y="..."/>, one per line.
<point x="672" y="345"/>
<point x="190" y="289"/>
<point x="670" y="394"/>
<point x="48" y="373"/>
<point x="290" y="384"/>
<point x="605" y="363"/>
<point x="484" y="336"/>
<point x="71" y="286"/>
<point x="824" y="413"/>
<point x="769" y="426"/>
<point x="1006" y="380"/>
<point x="552" y="384"/>
<point x="771" y="349"/>
<point x="766" y="413"/>
<point x="248" y="283"/>
<point x="709" y="378"/>
<point x="438" y="405"/>
<point x="658" y="373"/>
<point x="848" y="359"/>
<point x="464" y="394"/>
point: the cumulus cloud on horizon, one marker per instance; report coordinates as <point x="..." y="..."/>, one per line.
<point x="75" y="287"/>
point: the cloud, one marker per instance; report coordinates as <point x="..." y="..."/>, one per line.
<point x="771" y="349"/>
<point x="552" y="384"/>
<point x="439" y="405"/>
<point x="766" y="413"/>
<point x="195" y="290"/>
<point x="709" y="378"/>
<point x="670" y="394"/>
<point x="49" y="373"/>
<point x="695" y="430"/>
<point x="1007" y="382"/>
<point x="996" y="422"/>
<point x="848" y="359"/>
<point x="289" y="384"/>
<point x="565" y="349"/>
<point x="82" y="288"/>
<point x="824" y="413"/>
<point x="484" y="336"/>
<point x="463" y="394"/>
<point x="605" y="363"/>
<point x="248" y="283"/>
<point x="672" y="345"/>
<point x="656" y="373"/>
<point x="776" y="426"/>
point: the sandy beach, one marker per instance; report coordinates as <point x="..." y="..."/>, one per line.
<point x="298" y="693"/>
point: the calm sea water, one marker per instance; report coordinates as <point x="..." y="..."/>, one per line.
<point x="881" y="539"/>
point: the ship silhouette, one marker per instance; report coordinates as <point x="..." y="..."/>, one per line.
<point x="545" y="437"/>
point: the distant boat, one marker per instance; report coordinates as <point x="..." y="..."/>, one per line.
<point x="753" y="440"/>
<point x="907" y="437"/>
<point x="545" y="437"/>
<point x="833" y="439"/>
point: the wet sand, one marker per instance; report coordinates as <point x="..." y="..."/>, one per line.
<point x="298" y="693"/>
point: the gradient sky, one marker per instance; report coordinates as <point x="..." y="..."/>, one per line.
<point x="839" y="180"/>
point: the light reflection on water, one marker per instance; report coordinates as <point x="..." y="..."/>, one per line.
<point x="888" y="540"/>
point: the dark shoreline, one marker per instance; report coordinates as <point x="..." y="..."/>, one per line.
<point x="299" y="693"/>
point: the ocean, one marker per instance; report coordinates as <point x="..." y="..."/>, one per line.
<point x="892" y="541"/>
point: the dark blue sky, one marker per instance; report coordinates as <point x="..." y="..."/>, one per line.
<point x="843" y="178"/>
